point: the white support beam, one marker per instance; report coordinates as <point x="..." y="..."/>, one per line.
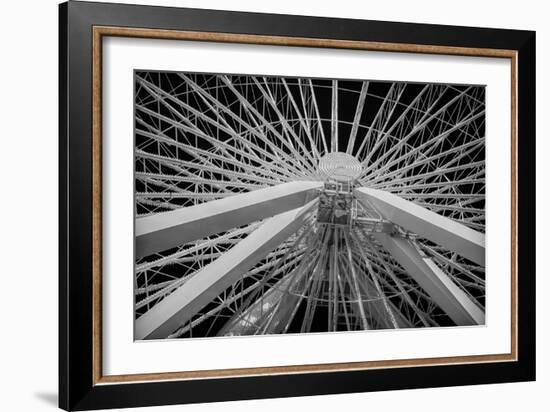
<point x="205" y="285"/>
<point x="423" y="222"/>
<point x="438" y="285"/>
<point x="161" y="231"/>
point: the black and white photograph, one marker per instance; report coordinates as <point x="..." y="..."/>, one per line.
<point x="275" y="206"/>
<point x="286" y="205"/>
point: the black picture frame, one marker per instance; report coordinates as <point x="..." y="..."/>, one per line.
<point x="78" y="389"/>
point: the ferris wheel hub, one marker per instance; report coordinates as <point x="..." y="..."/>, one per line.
<point x="340" y="166"/>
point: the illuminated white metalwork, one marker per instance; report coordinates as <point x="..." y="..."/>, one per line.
<point x="394" y="238"/>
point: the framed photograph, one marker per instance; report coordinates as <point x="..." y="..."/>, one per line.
<point x="257" y="205"/>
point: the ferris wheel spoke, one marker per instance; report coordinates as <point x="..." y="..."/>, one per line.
<point x="442" y="195"/>
<point x="226" y="157"/>
<point x="200" y="154"/>
<point x="352" y="273"/>
<point x="418" y="128"/>
<point x="275" y="154"/>
<point x="439" y="162"/>
<point x="206" y="156"/>
<point x="193" y="180"/>
<point x="440" y="186"/>
<point x="379" y="309"/>
<point x="187" y="165"/>
<point x="318" y="116"/>
<point x="334" y="117"/>
<point x="311" y="292"/>
<point x="382" y="299"/>
<point x="301" y="119"/>
<point x="357" y="117"/>
<point x="288" y="308"/>
<point x="189" y="127"/>
<point x="382" y="138"/>
<point x="436" y="140"/>
<point x="376" y="122"/>
<point x="412" y="106"/>
<point x="298" y="158"/>
<point x="409" y="154"/>
<point x="434" y="173"/>
<point x="291" y="134"/>
<point x="459" y="151"/>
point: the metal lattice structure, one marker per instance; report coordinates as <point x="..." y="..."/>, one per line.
<point x="282" y="205"/>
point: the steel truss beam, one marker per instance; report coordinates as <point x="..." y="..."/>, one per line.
<point x="161" y="231"/>
<point x="425" y="223"/>
<point x="439" y="286"/>
<point x="203" y="287"/>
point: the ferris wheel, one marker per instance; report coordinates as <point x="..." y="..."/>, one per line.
<point x="269" y="205"/>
